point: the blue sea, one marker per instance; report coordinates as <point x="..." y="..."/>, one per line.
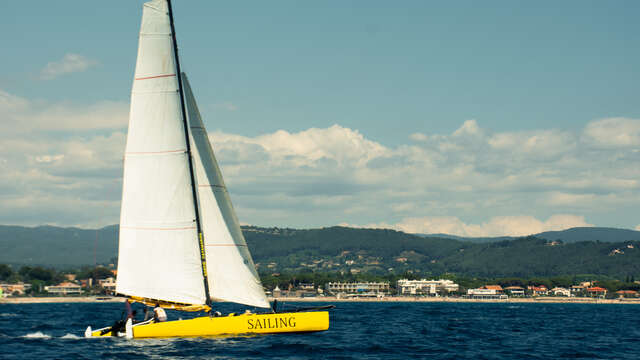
<point x="358" y="331"/>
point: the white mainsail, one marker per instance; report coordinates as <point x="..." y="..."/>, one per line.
<point x="230" y="269"/>
<point x="158" y="252"/>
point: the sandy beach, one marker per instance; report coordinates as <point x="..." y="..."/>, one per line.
<point x="329" y="299"/>
<point x="463" y="300"/>
<point x="60" y="299"/>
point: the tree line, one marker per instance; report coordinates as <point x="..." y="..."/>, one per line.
<point x="40" y="276"/>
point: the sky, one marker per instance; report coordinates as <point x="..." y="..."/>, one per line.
<point x="469" y="118"/>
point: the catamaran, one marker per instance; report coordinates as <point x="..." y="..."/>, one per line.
<point x="180" y="243"/>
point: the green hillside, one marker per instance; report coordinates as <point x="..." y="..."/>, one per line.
<point x="383" y="251"/>
<point x="56" y="246"/>
<point x="352" y="251"/>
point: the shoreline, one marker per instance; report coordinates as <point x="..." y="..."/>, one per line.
<point x="61" y="299"/>
<point x="544" y="300"/>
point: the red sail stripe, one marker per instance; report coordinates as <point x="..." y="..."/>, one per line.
<point x="155" y="77"/>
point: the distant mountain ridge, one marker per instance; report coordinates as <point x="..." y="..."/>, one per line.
<point x="603" y="234"/>
<point x="60" y="246"/>
<point x="572" y="235"/>
<point x="471" y="239"/>
<point x="602" y="251"/>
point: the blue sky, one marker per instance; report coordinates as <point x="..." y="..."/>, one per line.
<point x="404" y="76"/>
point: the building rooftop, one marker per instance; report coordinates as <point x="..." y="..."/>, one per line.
<point x="596" y="289"/>
<point x="628" y="292"/>
<point x="493" y="287"/>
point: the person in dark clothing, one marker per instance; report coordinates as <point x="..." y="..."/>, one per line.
<point x="119" y="325"/>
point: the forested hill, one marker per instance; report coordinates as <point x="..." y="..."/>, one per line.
<point x="350" y="250"/>
<point x="591" y="234"/>
<point x="52" y="245"/>
<point x="377" y="251"/>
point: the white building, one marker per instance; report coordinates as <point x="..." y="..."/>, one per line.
<point x="65" y="288"/>
<point x="560" y="291"/>
<point x="483" y="293"/>
<point x="10" y="289"/>
<point x="363" y="288"/>
<point x="108" y="284"/>
<point x="515" y="291"/>
<point x="429" y="287"/>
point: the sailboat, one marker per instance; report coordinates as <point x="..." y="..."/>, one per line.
<point x="180" y="243"/>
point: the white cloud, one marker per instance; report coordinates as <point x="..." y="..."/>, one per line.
<point x="638" y="227"/>
<point x="10" y="103"/>
<point x="470" y="173"/>
<point x="70" y="63"/>
<point x="49" y="158"/>
<point x="468" y="128"/>
<point x="560" y="198"/>
<point x="324" y="176"/>
<point x="496" y="226"/>
<point x="61" y="163"/>
<point x="539" y="143"/>
<point x="311" y="147"/>
<point x="614" y="132"/>
<point x="20" y="115"/>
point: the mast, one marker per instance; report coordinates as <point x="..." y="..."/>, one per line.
<point x="203" y="258"/>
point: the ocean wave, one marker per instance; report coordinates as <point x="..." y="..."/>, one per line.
<point x="37" y="335"/>
<point x="8" y="315"/>
<point x="358" y="331"/>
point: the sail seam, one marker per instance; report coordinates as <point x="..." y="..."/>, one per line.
<point x="155" y="77"/>
<point x="164" y="229"/>
<point x="154" y="8"/>
<point x="155" y="152"/>
<point x="137" y="92"/>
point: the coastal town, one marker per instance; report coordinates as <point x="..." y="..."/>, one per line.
<point x="443" y="288"/>
<point x="101" y="282"/>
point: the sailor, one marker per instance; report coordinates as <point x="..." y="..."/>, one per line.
<point x="132" y="316"/>
<point x="160" y="315"/>
<point x="127" y="307"/>
<point x="119" y="325"/>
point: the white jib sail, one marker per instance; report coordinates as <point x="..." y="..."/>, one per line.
<point x="232" y="274"/>
<point x="158" y="254"/>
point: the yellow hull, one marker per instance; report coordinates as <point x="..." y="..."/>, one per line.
<point x="233" y="325"/>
